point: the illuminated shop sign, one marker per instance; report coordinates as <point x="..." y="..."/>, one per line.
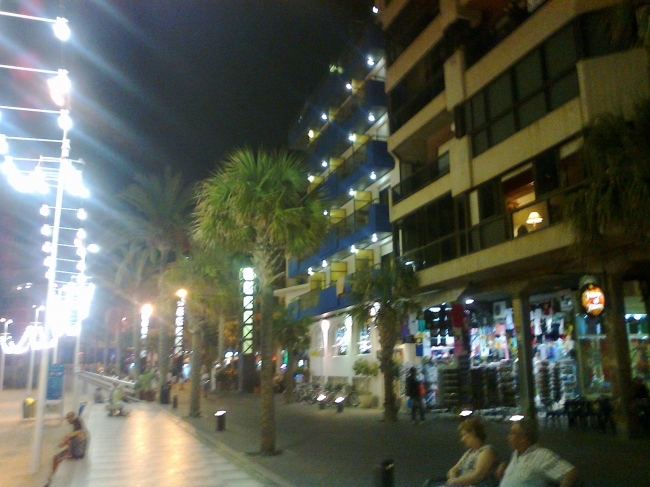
<point x="593" y="300"/>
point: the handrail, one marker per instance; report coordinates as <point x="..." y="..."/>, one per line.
<point x="106" y="382"/>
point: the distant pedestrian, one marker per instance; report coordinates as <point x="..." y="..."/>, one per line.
<point x="415" y="392"/>
<point x="531" y="465"/>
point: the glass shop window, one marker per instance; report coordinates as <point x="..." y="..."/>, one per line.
<point x="365" y="345"/>
<point x="341" y="340"/>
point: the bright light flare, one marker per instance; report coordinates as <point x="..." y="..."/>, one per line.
<point x="61" y="29"/>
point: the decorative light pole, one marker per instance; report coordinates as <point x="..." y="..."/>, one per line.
<point x="65" y="177"/>
<point x="32" y="352"/>
<point x="6" y="324"/>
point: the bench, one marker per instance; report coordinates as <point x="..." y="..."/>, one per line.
<point x="71" y="473"/>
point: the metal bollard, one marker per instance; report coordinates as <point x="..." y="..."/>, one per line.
<point x="221" y="420"/>
<point x="175" y="402"/>
<point x="385" y="474"/>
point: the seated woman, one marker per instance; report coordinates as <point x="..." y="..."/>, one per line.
<point x="74" y="444"/>
<point x="476" y="466"/>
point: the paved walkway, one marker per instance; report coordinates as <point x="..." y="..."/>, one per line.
<point x="149" y="448"/>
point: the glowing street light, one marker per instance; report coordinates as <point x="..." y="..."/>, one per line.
<point x="179" y="322"/>
<point x="61" y="29"/>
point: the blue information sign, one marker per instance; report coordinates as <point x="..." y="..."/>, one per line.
<point x="55" y="382"/>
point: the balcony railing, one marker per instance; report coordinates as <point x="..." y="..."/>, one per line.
<point x="370" y="218"/>
<point x="372" y="156"/>
<point x="406" y="110"/>
<point x="421" y="178"/>
<point x="319" y="301"/>
<point x="488" y="233"/>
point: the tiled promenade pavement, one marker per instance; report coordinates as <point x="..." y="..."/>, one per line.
<point x="152" y="448"/>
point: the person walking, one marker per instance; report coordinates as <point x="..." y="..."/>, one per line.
<point x="531" y="465"/>
<point x="415" y="391"/>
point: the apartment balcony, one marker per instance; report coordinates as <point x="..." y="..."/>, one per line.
<point x="516" y="224"/>
<point x="357" y="115"/>
<point x="311" y="115"/>
<point x="373" y="218"/>
<point x="426" y="175"/>
<point x="365" y="165"/>
<point x="320" y="301"/>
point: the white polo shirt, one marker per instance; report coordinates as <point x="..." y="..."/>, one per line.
<point x="536" y="467"/>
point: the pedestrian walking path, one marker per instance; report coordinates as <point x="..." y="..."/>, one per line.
<point x="151" y="448"/>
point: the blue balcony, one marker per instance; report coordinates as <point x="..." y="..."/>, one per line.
<point x="373" y="218"/>
<point x="372" y="157"/>
<point x="320" y="301"/>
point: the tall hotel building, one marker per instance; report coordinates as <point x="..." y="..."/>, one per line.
<point x="487" y="102"/>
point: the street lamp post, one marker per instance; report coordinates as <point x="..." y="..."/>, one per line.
<point x="67" y="178"/>
<point x="6" y="323"/>
<point x="32" y="352"/>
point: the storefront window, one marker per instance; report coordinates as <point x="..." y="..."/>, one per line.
<point x="342" y="337"/>
<point x="552" y="323"/>
<point x="365" y="345"/>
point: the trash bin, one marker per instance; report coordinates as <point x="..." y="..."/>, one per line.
<point x="164" y="394"/>
<point x="221" y="420"/>
<point x="29" y="408"/>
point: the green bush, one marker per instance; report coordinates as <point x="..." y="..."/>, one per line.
<point x="365" y="368"/>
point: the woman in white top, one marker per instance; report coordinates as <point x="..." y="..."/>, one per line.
<point x="476" y="466"/>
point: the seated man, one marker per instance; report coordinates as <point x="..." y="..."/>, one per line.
<point x="116" y="402"/>
<point x="75" y="444"/>
<point x="532" y="465"/>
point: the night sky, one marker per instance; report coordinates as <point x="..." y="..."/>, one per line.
<point x="183" y="82"/>
<point x="172" y="82"/>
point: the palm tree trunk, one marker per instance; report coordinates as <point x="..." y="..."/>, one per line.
<point x="107" y="336"/>
<point x="136" y="340"/>
<point x="118" y="349"/>
<point x="267" y="402"/>
<point x="163" y="347"/>
<point x="222" y="337"/>
<point x="618" y="363"/>
<point x="388" y="334"/>
<point x="195" y="374"/>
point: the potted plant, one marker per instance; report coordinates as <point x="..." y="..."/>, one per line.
<point x="366" y="369"/>
<point x="144" y="387"/>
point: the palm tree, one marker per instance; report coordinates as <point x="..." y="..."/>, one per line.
<point x="132" y="281"/>
<point x="386" y="294"/>
<point x="610" y="233"/>
<point x="160" y="218"/>
<point x="211" y="283"/>
<point x="292" y="335"/>
<point x="628" y="23"/>
<point x="256" y="205"/>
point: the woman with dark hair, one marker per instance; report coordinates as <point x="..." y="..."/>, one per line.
<point x="476" y="466"/>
